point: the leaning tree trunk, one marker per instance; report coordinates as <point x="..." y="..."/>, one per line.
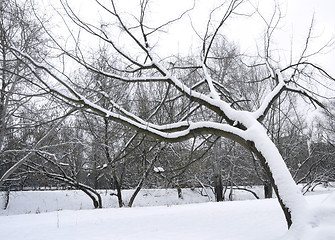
<point x="290" y="198"/>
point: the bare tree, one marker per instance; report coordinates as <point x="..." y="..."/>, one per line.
<point x="317" y="167"/>
<point x="210" y="107"/>
<point x="53" y="168"/>
<point x="18" y="27"/>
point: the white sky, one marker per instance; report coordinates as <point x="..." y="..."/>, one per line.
<point x="246" y="32"/>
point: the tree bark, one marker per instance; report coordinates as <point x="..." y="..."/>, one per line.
<point x="118" y="187"/>
<point x="180" y="193"/>
<point x="290" y="198"/>
<point x="6" y="198"/>
<point x="267" y="190"/>
<point x="218" y="187"/>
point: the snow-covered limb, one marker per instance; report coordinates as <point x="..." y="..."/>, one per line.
<point x="81" y="100"/>
<point x="208" y="78"/>
<point x="173" y="133"/>
<point x="193" y="129"/>
<point x="217" y="105"/>
<point x="32" y="64"/>
<point x="131" y="116"/>
<point x="282" y="85"/>
<point x="261" y="112"/>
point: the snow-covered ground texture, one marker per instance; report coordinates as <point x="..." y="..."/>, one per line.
<point x="237" y="220"/>
<point x="46" y="201"/>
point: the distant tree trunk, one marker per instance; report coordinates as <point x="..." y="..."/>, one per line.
<point x="180" y="193"/>
<point x="142" y="180"/>
<point x="111" y="162"/>
<point x="95" y="175"/>
<point x="118" y="188"/>
<point x="218" y="187"/>
<point x="6" y="198"/>
<point x="231" y="191"/>
<point x="268" y="189"/>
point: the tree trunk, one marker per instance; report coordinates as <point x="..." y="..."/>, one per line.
<point x="290" y="198"/>
<point x="118" y="189"/>
<point x="218" y="187"/>
<point x="142" y="180"/>
<point x="180" y="193"/>
<point x="6" y="199"/>
<point x="231" y="191"/>
<point x="267" y="189"/>
<point x="113" y="167"/>
<point x="96" y="203"/>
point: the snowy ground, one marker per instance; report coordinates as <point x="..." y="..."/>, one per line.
<point x="237" y="220"/>
<point x="46" y="201"/>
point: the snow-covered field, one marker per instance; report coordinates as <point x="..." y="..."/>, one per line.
<point x="237" y="220"/>
<point x="46" y="201"/>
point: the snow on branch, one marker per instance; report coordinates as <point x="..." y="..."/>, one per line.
<point x="169" y="132"/>
<point x="124" y="78"/>
<point x="215" y="104"/>
<point x="261" y="112"/>
<point x="208" y="78"/>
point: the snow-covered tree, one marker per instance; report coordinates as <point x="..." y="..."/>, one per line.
<point x="209" y="106"/>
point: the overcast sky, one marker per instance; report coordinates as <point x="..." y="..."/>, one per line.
<point x="247" y="32"/>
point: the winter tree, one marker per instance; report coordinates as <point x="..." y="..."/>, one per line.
<point x="209" y="105"/>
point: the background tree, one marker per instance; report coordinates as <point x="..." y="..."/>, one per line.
<point x="18" y="28"/>
<point x="318" y="166"/>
